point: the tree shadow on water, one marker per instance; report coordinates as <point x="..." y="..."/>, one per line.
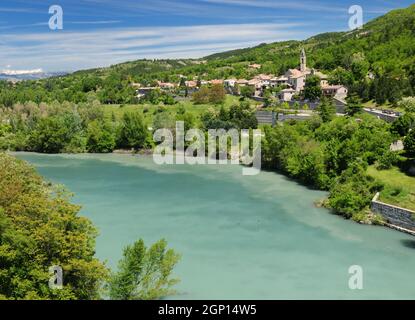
<point x="408" y="243"/>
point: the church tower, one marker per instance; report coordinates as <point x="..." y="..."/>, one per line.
<point x="303" y="60"/>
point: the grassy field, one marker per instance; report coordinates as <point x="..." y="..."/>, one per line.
<point x="149" y="110"/>
<point x="399" y="187"/>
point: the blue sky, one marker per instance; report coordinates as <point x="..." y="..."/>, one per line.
<point x="103" y="32"/>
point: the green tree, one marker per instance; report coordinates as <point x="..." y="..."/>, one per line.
<point x="40" y="228"/>
<point x="409" y="143"/>
<point x="56" y="134"/>
<point x="354" y="105"/>
<point x="134" y="132"/>
<point x="144" y="273"/>
<point x="403" y="124"/>
<point x="100" y="137"/>
<point x="312" y="90"/>
<point x="202" y="96"/>
<point x="353" y="191"/>
<point x="247" y="91"/>
<point x="217" y="94"/>
<point x="408" y="104"/>
<point x="326" y="110"/>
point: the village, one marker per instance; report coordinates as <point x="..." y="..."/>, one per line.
<point x="285" y="88"/>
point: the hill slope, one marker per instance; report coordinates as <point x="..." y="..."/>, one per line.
<point x="376" y="62"/>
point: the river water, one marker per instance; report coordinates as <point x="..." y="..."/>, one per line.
<point x="258" y="237"/>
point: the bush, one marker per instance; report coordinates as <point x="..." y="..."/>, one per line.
<point x="100" y="138"/>
<point x="144" y="273"/>
<point x="408" y="104"/>
<point x="216" y="95"/>
<point x="387" y="161"/>
<point x="353" y="191"/>
<point x="403" y="124"/>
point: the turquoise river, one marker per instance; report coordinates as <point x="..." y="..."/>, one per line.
<point x="240" y="237"/>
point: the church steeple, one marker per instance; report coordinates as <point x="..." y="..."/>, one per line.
<point x="303" y="61"/>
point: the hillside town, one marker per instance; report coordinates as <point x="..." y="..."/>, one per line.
<point x="291" y="84"/>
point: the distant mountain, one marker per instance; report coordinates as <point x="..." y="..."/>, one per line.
<point x="19" y="75"/>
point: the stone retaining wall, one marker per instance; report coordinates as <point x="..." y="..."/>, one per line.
<point x="397" y="216"/>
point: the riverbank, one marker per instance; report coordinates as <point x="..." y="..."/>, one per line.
<point x="240" y="237"/>
<point x="369" y="218"/>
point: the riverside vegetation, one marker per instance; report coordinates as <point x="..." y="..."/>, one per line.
<point x="327" y="152"/>
<point x="40" y="228"/>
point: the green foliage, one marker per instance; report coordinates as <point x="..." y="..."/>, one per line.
<point x="100" y="137"/>
<point x="236" y="117"/>
<point x="341" y="76"/>
<point x="324" y="155"/>
<point x="247" y="91"/>
<point x="409" y="143"/>
<point x="408" y="104"/>
<point x="57" y="134"/>
<point x="144" y="273"/>
<point x="326" y="110"/>
<point x="133" y="133"/>
<point x="40" y="228"/>
<point x="215" y="95"/>
<point x="202" y="96"/>
<point x="403" y="124"/>
<point x="312" y="90"/>
<point x="387" y="161"/>
<point x="353" y="191"/>
<point x="354" y="105"/>
<point x="157" y="96"/>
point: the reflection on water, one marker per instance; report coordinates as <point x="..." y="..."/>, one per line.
<point x="408" y="243"/>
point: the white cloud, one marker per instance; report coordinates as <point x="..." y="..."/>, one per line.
<point x="94" y="22"/>
<point x="298" y="5"/>
<point x="20" y="72"/>
<point x="61" y="51"/>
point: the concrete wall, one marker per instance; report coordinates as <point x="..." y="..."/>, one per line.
<point x="271" y="118"/>
<point x="266" y="117"/>
<point x="299" y="117"/>
<point x="384" y="116"/>
<point x="394" y="215"/>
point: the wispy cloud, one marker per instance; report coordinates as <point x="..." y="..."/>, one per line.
<point x="102" y="32"/>
<point x="23" y="26"/>
<point x="72" y="50"/>
<point x="298" y="5"/>
<point x="94" y="22"/>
